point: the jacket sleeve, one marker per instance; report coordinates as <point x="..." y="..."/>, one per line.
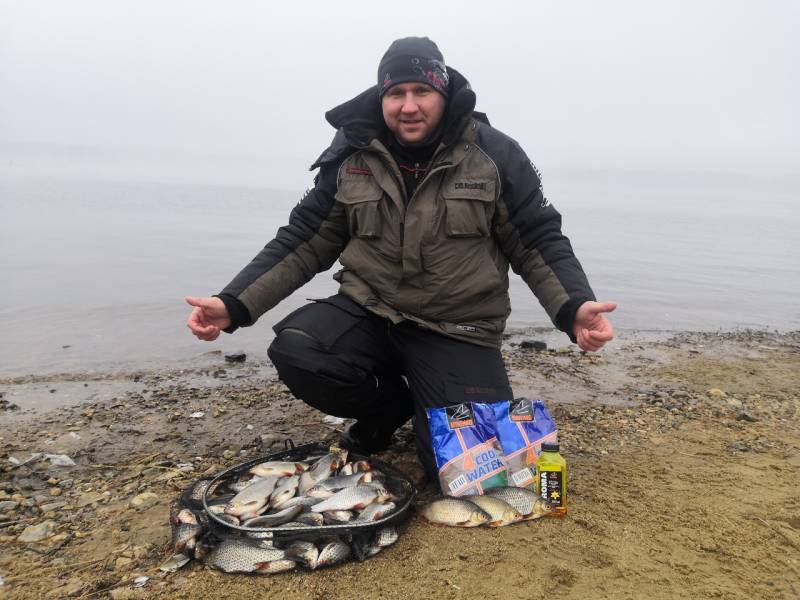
<point x="528" y="229"/>
<point x="311" y="242"/>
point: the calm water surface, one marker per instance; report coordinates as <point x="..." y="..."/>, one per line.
<point x="93" y="273"/>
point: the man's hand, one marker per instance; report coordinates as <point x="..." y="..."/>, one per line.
<point x="592" y="330"/>
<point x="208" y="318"/>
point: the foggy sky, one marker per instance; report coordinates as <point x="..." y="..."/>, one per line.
<point x="693" y="86"/>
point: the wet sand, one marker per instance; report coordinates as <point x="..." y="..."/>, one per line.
<point x="684" y="471"/>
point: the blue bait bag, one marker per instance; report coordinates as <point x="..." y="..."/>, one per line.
<point x="466" y="448"/>
<point x="522" y="426"/>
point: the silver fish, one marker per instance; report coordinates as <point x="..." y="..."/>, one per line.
<point x="528" y="503"/>
<point x="184" y="537"/>
<point x="241" y="484"/>
<point x="237" y="555"/>
<point x="252" y="498"/>
<point x="333" y="553"/>
<point x="386" y="536"/>
<point x="292" y="525"/>
<point x="317" y="491"/>
<point x="304" y="552"/>
<point x="364" y="547"/>
<point x="305" y="501"/>
<point x="455" y="512"/>
<point x="280" y="469"/>
<point x="501" y="512"/>
<point x="339" y="483"/>
<point x="352" y="498"/>
<point x="376" y="511"/>
<point x="174" y="562"/>
<point x="184" y="516"/>
<point x="285" y="490"/>
<point x="278" y="518"/>
<point x="276" y="566"/>
<point x="322" y="469"/>
<point x="361" y="466"/>
<point x="310" y="518"/>
<point x="337" y="517"/>
<point x="229" y="519"/>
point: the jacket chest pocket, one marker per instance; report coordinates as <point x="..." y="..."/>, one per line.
<point x="363" y="207"/>
<point x="469" y="210"/>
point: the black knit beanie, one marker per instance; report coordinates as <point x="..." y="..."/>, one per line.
<point x="413" y="59"/>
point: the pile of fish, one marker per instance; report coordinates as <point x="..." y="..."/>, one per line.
<point x="240" y="533"/>
<point x="497" y="507"/>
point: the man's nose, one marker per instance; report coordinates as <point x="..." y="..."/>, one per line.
<point x="410" y="104"/>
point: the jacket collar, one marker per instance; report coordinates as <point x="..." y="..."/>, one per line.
<point x="360" y="120"/>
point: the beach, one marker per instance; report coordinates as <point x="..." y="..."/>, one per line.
<point x="683" y="453"/>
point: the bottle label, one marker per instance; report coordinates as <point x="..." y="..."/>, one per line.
<point x="551" y="487"/>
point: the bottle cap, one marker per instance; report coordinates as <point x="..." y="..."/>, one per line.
<point x="550" y="447"/>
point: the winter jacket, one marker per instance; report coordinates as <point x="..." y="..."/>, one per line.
<point x="439" y="258"/>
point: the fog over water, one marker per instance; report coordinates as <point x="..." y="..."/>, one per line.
<point x="149" y="149"/>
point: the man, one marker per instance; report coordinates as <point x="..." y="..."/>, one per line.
<point x="426" y="206"/>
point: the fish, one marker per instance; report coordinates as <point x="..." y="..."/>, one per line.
<point x="279" y="469"/>
<point x="335" y="484"/>
<point x="303" y="552"/>
<point x="276" y="566"/>
<point x="184" y="537"/>
<point x="528" y="503"/>
<point x="337" y="517"/>
<point x="386" y="536"/>
<point x="346" y="469"/>
<point x="272" y="520"/>
<point x="252" y="498"/>
<point x="238" y="486"/>
<point x="322" y="469"/>
<point x="376" y="511"/>
<point x="237" y="555"/>
<point x="305" y="501"/>
<point x="352" y="498"/>
<point x="320" y="492"/>
<point x="229" y="519"/>
<point x="361" y="466"/>
<point x="501" y="512"/>
<point x="333" y="553"/>
<point x="454" y="512"/>
<point x="284" y="491"/>
<point x="364" y="547"/>
<point x="310" y="518"/>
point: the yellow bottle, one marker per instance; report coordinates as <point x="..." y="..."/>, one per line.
<point x="551" y="480"/>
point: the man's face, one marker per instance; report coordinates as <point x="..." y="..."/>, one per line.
<point x="412" y="112"/>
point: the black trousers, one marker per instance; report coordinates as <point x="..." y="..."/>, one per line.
<point x="345" y="361"/>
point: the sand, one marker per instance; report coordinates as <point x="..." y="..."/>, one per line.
<point x="684" y="471"/>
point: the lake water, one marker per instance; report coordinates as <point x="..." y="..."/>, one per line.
<point x="93" y="273"/>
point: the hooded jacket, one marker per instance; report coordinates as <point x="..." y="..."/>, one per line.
<point x="440" y="258"/>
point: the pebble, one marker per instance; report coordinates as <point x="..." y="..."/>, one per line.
<point x="56" y="491"/>
<point x="236" y="357"/>
<point x="536" y="345"/>
<point x="7" y="505"/>
<point x="746" y="416"/>
<point x="738" y="446"/>
<point x="716" y="393"/>
<point x="122" y="562"/>
<point x="37" y="533"/>
<point x="145" y="500"/>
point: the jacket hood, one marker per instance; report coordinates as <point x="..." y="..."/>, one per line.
<point x="360" y="120"/>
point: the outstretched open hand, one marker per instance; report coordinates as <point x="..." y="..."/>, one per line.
<point x="592" y="330"/>
<point x="208" y="318"/>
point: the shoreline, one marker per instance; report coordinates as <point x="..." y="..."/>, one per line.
<point x="664" y="439"/>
